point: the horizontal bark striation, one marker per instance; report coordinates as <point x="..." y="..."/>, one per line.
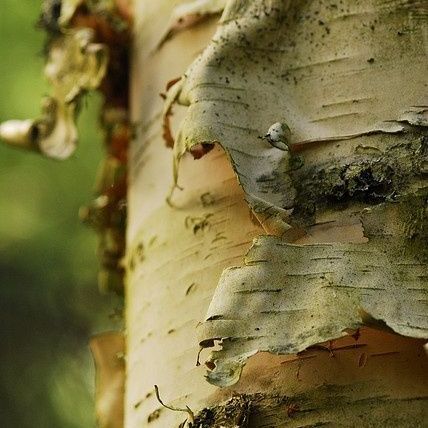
<point x="288" y="297"/>
<point x="280" y="62"/>
<point x="288" y="62"/>
<point x="173" y="267"/>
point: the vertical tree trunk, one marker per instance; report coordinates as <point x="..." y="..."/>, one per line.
<point x="334" y="325"/>
<point x="277" y="206"/>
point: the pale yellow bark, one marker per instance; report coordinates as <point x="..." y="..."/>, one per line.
<point x="108" y="350"/>
<point x="177" y="253"/>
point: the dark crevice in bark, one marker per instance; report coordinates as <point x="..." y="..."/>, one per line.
<point x="370" y="178"/>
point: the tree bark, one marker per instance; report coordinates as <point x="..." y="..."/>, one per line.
<point x="327" y="306"/>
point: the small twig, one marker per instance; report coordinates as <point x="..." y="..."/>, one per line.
<point x="176" y="409"/>
<point x="171" y="194"/>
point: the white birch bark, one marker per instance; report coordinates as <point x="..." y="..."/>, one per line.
<point x="349" y="80"/>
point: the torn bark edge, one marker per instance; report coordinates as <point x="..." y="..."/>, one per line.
<point x="70" y="28"/>
<point x="274" y="219"/>
<point x="188" y="15"/>
<point x="227" y="371"/>
<point x="270" y="217"/>
<point x="87" y="49"/>
<point x="55" y="134"/>
<point x="166" y="122"/>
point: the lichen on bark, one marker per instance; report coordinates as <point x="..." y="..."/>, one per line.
<point x="356" y="147"/>
<point x="271" y="62"/>
<point x="288" y="297"/>
<point x="356" y="150"/>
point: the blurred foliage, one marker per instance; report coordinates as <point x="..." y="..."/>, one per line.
<point x="49" y="302"/>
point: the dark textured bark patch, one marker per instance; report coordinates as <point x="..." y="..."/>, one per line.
<point x="372" y="175"/>
<point x="235" y="413"/>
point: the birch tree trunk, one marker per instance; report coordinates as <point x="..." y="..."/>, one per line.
<point x="277" y="206"/>
<point x="335" y="322"/>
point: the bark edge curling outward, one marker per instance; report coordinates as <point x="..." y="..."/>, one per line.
<point x="288" y="297"/>
<point x="374" y="138"/>
<point x="234" y="91"/>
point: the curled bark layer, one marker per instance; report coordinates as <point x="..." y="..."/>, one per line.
<point x="340" y="176"/>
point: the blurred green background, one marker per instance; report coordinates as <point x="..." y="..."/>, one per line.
<point x="49" y="302"/>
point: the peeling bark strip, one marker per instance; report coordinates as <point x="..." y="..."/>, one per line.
<point x="85" y="42"/>
<point x="284" y="300"/>
<point x="269" y="66"/>
<point x="75" y="65"/>
<point x="189" y="14"/>
<point x="312" y="105"/>
<point x="279" y="61"/>
<point x="288" y="297"/>
<point x="87" y="49"/>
